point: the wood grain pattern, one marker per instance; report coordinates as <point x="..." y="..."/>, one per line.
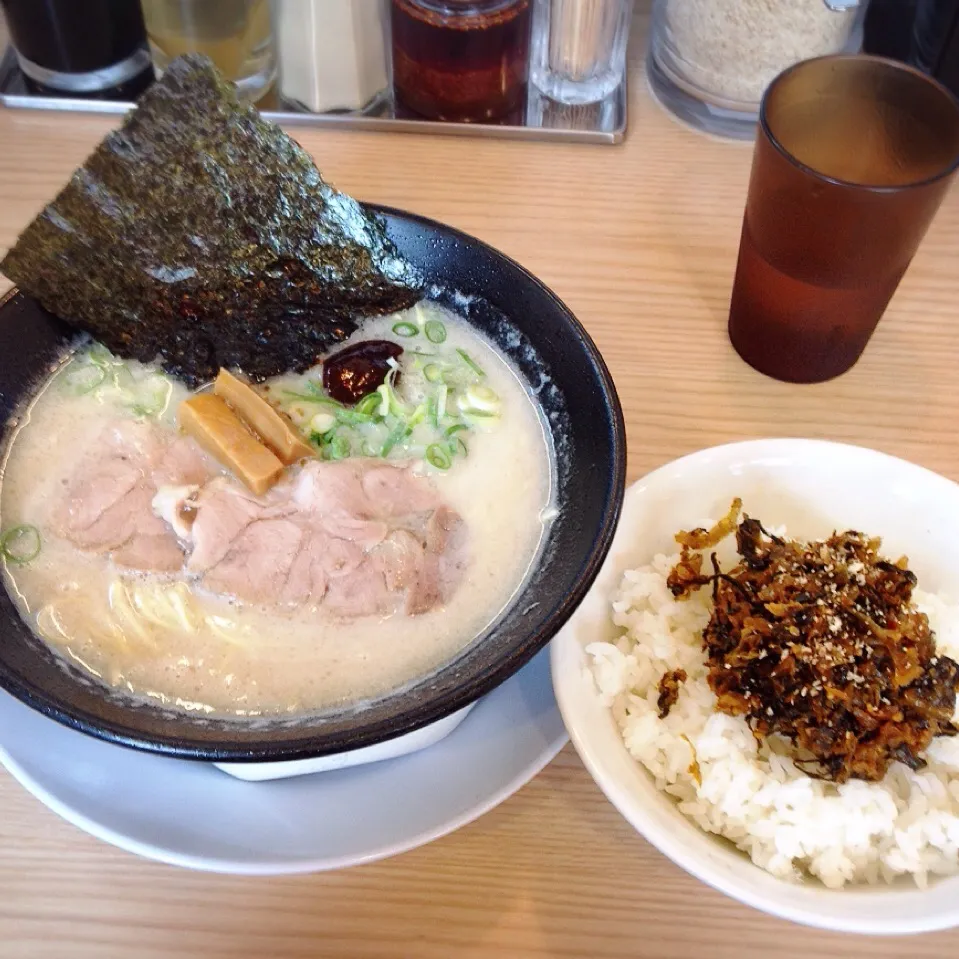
<point x="640" y="241"/>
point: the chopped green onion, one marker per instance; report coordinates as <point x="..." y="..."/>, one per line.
<point x="479" y="400"/>
<point x="312" y="398"/>
<point x="479" y="397"/>
<point x="457" y="447"/>
<point x="322" y="423"/>
<point x="435" y="331"/>
<point x="338" y="448"/>
<point x="397" y="408"/>
<point x="20" y="545"/>
<point x="437" y="456"/>
<point x="369" y="405"/>
<point x="430" y="416"/>
<point x="470" y="362"/>
<point x="390" y="402"/>
<point x="152" y="396"/>
<point x="123" y="378"/>
<point x="86" y="378"/>
<point x="397" y="433"/>
<point x="383" y="392"/>
<point x="99" y="355"/>
<point x="350" y="417"/>
<point x="419" y="414"/>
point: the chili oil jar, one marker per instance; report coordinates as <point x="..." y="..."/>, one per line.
<point x="461" y="60"/>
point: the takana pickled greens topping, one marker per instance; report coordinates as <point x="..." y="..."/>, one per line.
<point x="822" y="644"/>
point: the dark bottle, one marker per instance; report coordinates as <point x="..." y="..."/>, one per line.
<point x="84" y="48"/>
<point x="888" y="28"/>
<point x="461" y="60"/>
<point x="935" y="40"/>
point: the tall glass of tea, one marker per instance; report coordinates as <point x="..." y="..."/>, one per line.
<point x="853" y="158"/>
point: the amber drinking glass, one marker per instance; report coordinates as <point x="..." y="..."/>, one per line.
<point x="852" y="160"/>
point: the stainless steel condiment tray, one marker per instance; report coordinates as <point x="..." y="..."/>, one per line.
<point x="603" y="122"/>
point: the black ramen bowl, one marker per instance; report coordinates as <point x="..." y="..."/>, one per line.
<point x="565" y="371"/>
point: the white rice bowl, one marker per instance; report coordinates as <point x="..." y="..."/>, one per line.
<point x="789" y="823"/>
<point x="868" y="857"/>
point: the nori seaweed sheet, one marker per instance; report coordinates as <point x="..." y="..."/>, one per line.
<point x="201" y="234"/>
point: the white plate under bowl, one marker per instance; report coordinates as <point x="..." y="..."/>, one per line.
<point x="403" y="745"/>
<point x="191" y="814"/>
<point x="812" y="487"/>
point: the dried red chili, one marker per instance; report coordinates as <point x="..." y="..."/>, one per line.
<point x="358" y="370"/>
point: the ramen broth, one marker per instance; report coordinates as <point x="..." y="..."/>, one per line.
<point x="163" y="637"/>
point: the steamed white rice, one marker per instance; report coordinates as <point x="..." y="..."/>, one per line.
<point x="789" y="823"/>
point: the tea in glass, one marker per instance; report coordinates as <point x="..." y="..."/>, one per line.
<point x="853" y="158"/>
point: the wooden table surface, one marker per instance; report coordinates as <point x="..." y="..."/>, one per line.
<point x="640" y="241"/>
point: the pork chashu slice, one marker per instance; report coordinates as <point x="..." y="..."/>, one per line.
<point x="360" y="537"/>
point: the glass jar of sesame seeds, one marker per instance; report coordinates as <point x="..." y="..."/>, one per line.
<point x="710" y="61"/>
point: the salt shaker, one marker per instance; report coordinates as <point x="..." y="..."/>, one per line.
<point x="335" y="53"/>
